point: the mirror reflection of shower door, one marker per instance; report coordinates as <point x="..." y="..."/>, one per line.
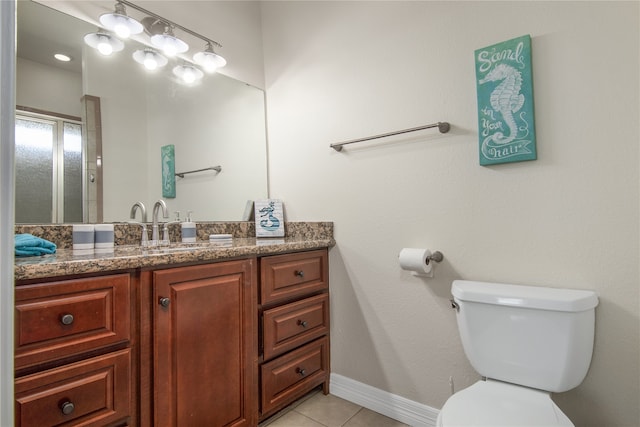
<point x="48" y="170"/>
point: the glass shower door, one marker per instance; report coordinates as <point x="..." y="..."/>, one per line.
<point x="48" y="171"/>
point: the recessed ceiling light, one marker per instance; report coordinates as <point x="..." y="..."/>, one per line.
<point x="62" y="57"/>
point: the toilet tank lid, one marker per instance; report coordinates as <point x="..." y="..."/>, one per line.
<point x="537" y="297"/>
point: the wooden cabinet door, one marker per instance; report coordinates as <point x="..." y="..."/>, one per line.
<point x="205" y="352"/>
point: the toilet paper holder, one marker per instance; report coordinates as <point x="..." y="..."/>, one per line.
<point x="436" y="257"/>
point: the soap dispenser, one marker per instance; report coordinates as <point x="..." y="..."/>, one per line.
<point x="188" y="230"/>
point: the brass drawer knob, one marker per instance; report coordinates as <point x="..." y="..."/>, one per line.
<point x="67" y="407"/>
<point x="66" y="319"/>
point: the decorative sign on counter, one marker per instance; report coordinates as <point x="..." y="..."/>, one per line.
<point x="269" y="218"/>
<point x="505" y="102"/>
<point x="168" y="155"/>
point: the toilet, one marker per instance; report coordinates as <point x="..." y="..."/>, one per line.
<point x="527" y="342"/>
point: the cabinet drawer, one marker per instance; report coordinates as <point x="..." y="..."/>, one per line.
<point x="289" y="326"/>
<point x="293" y="275"/>
<point x="294" y="374"/>
<point x="59" y="319"/>
<point x="96" y="391"/>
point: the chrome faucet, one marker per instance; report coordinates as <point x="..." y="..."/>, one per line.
<point x="143" y="211"/>
<point x="144" y="241"/>
<point x="165" y="214"/>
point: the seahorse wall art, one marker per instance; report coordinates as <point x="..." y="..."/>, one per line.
<point x="168" y="157"/>
<point x="269" y="218"/>
<point x="505" y="102"/>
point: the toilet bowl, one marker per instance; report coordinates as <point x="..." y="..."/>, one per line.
<point x="527" y="341"/>
<point x="496" y="404"/>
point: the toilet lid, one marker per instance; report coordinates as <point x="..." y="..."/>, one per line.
<point x="494" y="403"/>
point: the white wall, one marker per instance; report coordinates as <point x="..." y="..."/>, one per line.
<point x="341" y="70"/>
<point x="48" y="88"/>
<point x="125" y="155"/>
<point x="220" y="122"/>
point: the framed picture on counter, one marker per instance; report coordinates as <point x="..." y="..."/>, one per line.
<point x="269" y="218"/>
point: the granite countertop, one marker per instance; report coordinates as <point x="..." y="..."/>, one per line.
<point x="65" y="262"/>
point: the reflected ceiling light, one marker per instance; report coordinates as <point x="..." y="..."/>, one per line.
<point x="120" y="23"/>
<point x="209" y="60"/>
<point x="62" y="57"/>
<point x="150" y="59"/>
<point x="187" y="73"/>
<point x="104" y="43"/>
<point x="168" y="43"/>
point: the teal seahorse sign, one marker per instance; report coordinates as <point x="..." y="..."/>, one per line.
<point x="271" y="222"/>
<point x="505" y="102"/>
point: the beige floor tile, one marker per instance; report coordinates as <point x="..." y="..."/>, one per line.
<point x="368" y="418"/>
<point x="294" y="419"/>
<point x="328" y="410"/>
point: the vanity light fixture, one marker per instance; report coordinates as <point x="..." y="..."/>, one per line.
<point x="151" y="59"/>
<point x="160" y="33"/>
<point x="187" y="74"/>
<point x="208" y="59"/>
<point x="105" y="44"/>
<point x="168" y="43"/>
<point x="120" y="23"/>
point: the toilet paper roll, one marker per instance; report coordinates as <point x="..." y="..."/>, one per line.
<point x="416" y="260"/>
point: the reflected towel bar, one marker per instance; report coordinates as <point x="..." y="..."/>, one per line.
<point x="443" y="127"/>
<point x="211" y="168"/>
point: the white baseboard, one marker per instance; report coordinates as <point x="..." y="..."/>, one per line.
<point x="399" y="408"/>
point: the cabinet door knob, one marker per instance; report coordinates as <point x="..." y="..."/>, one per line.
<point x="302" y="323"/>
<point x="164" y="301"/>
<point x="66" y="319"/>
<point x="301" y="371"/>
<point x="299" y="273"/>
<point x="67" y="407"/>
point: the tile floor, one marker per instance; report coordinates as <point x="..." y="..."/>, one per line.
<point x="318" y="410"/>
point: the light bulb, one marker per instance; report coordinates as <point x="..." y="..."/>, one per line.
<point x="188" y="76"/>
<point x="150" y="62"/>
<point x="150" y="59"/>
<point x="209" y="60"/>
<point x="104" y="43"/>
<point x="209" y="64"/>
<point x="122" y="30"/>
<point x="104" y="47"/>
<point x="169" y="49"/>
<point x="120" y="23"/>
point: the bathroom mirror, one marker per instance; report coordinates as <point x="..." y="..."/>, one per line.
<point x="219" y="122"/>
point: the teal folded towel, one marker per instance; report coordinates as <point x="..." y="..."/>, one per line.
<point x="30" y="245"/>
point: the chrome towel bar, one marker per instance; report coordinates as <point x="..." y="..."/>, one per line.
<point x="443" y="127"/>
<point x="211" y="168"/>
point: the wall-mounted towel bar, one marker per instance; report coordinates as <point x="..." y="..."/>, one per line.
<point x="211" y="168"/>
<point x="443" y="127"/>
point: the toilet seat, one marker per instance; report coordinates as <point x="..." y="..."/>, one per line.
<point x="495" y="403"/>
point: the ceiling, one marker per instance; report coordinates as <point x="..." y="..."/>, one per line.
<point x="43" y="31"/>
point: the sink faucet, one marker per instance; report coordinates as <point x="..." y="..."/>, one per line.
<point x="144" y="241"/>
<point x="143" y="211"/>
<point x="165" y="214"/>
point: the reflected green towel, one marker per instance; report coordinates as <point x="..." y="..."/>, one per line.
<point x="30" y="245"/>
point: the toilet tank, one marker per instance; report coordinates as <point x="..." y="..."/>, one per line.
<point x="528" y="335"/>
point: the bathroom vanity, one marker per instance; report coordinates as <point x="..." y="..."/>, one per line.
<point x="209" y="335"/>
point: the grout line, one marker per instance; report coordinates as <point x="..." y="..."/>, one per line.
<point x="309" y="418"/>
<point x="351" y="417"/>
